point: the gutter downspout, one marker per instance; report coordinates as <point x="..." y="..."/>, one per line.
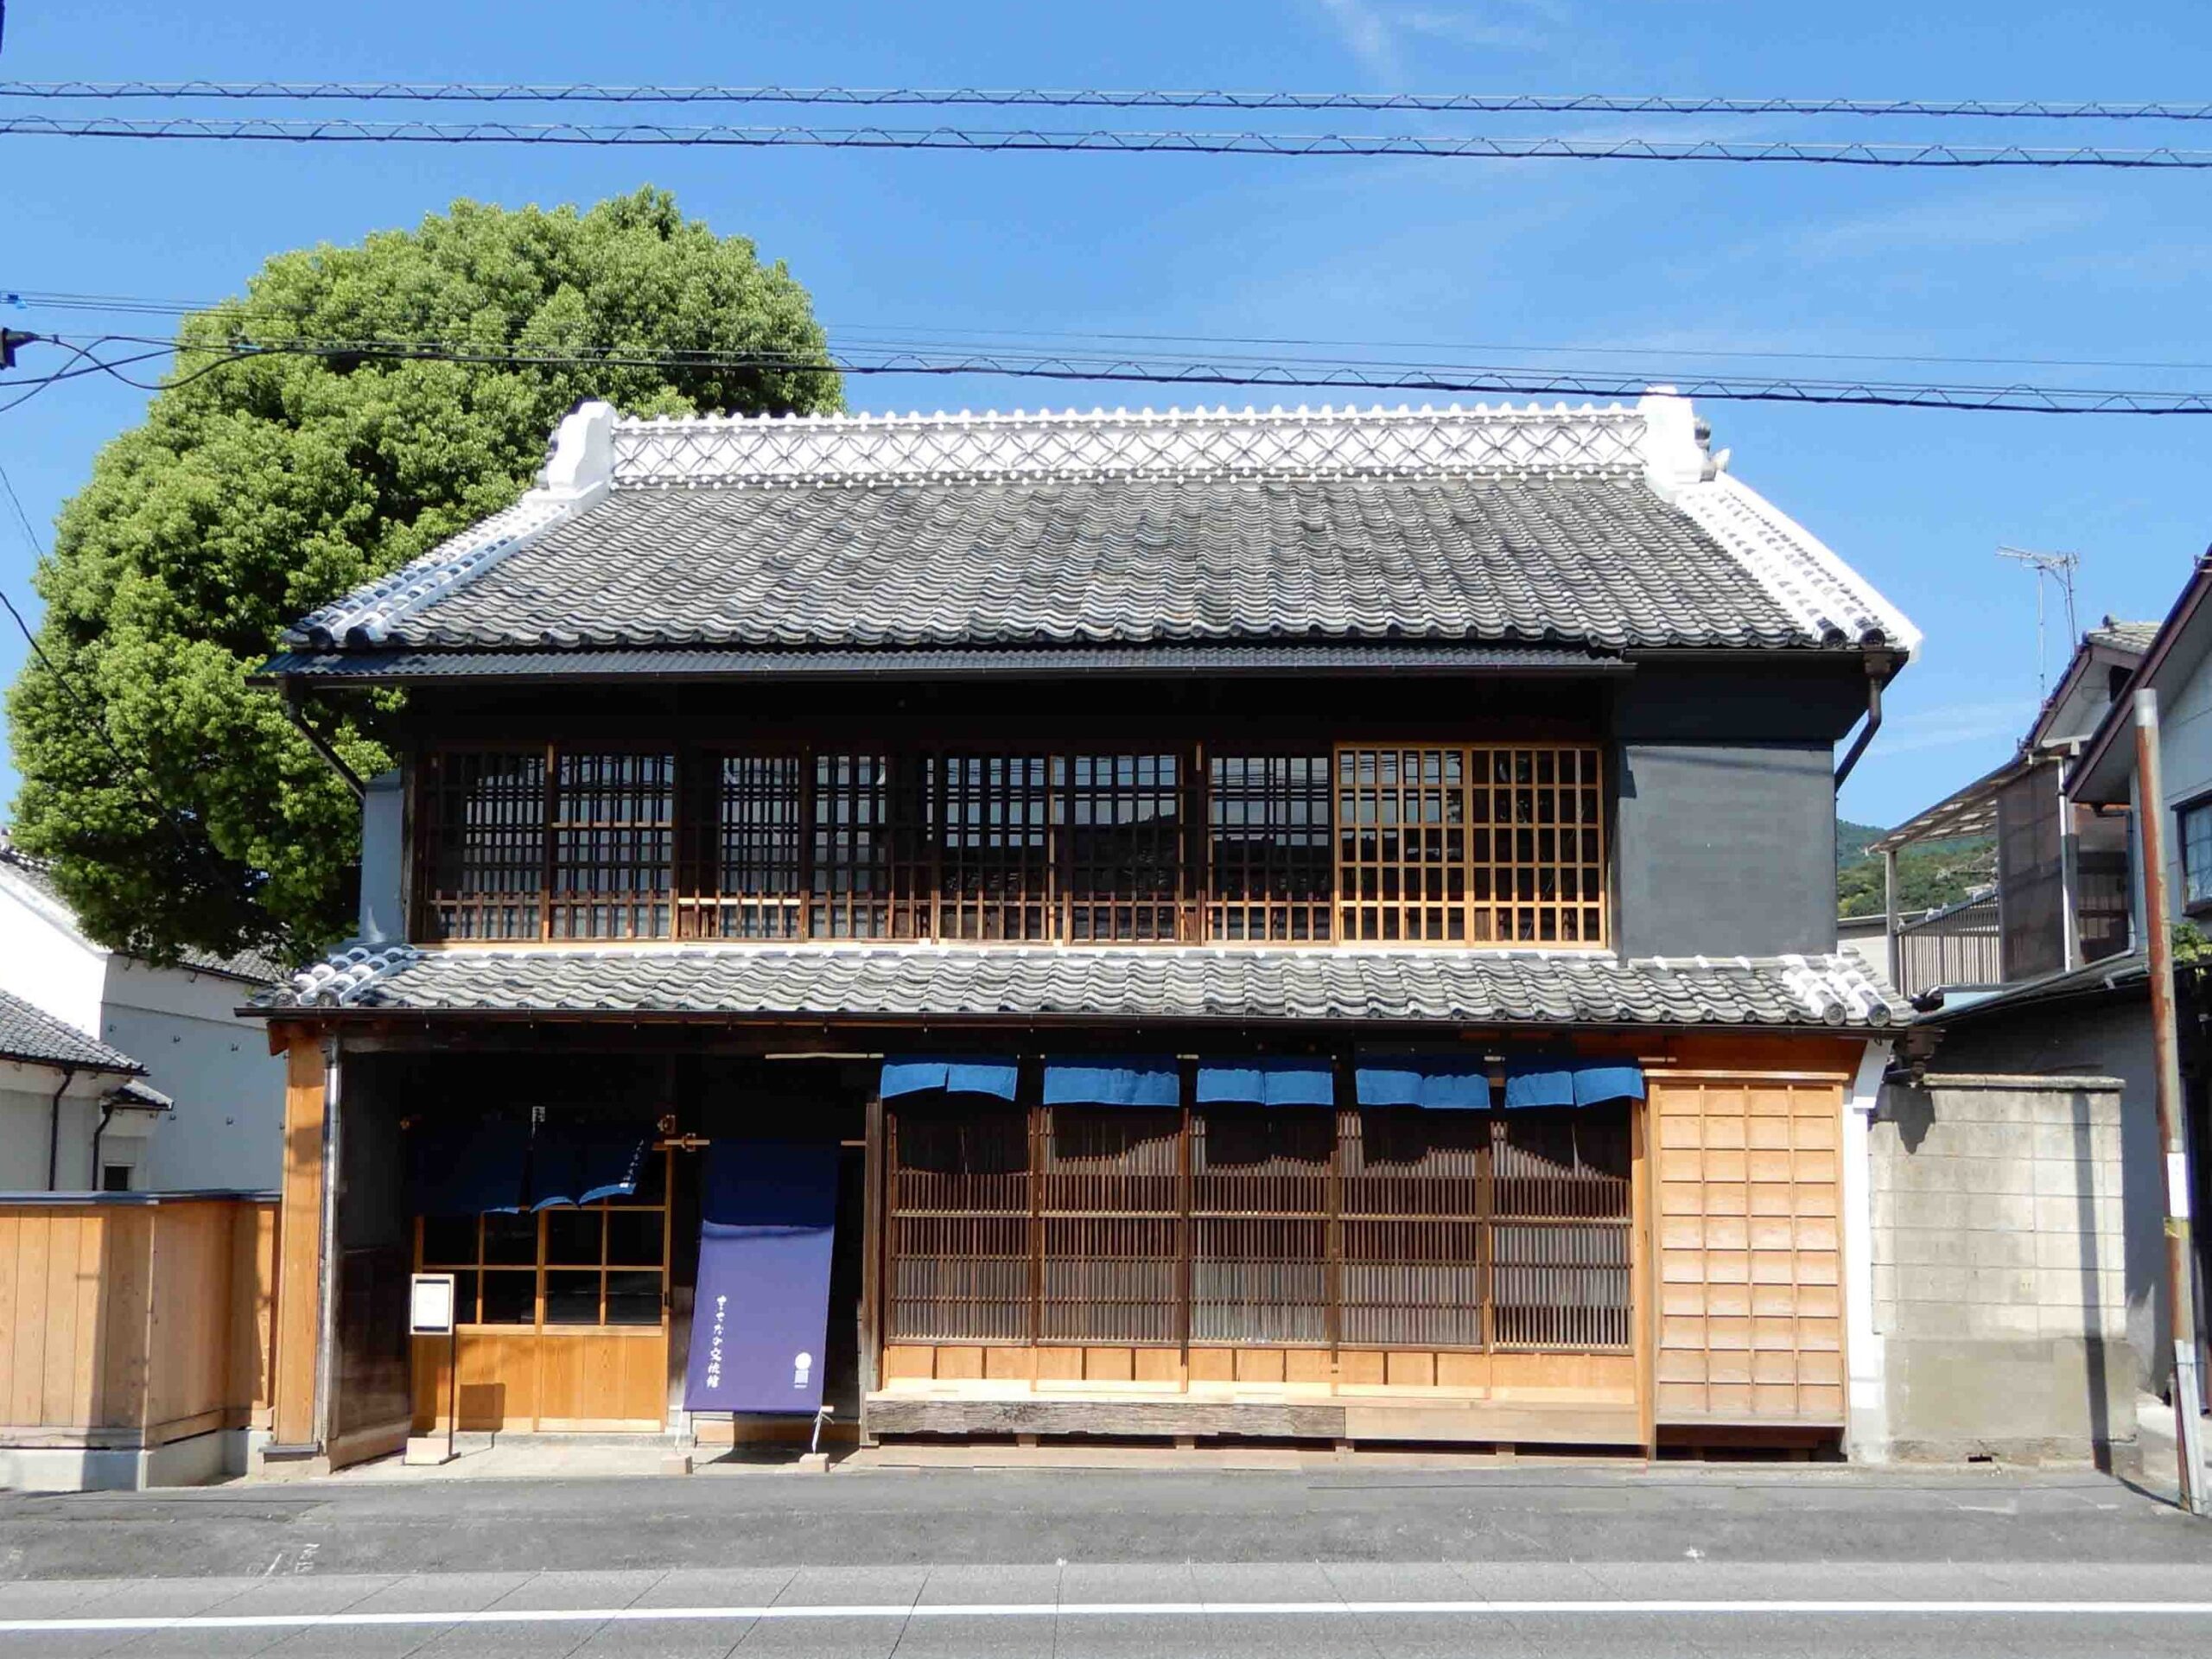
<point x="289" y="695"/>
<point x="54" y="1131"/>
<point x="1873" y="723"/>
<point x="326" y="1348"/>
<point x="107" y="1116"/>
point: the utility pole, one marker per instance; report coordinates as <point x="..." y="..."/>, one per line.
<point x="2060" y="567"/>
<point x="2173" y="1129"/>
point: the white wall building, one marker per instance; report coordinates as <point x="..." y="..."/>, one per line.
<point x="176" y="1028"/>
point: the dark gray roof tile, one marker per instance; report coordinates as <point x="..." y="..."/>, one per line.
<point x="31" y="1033"/>
<point x="1165" y="983"/>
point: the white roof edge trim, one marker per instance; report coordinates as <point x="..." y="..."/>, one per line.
<point x="1801" y="572"/>
<point x="50" y="910"/>
<point x="578" y="470"/>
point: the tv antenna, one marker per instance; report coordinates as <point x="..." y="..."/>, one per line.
<point x="2057" y="568"/>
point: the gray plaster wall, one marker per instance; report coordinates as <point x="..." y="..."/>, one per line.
<point x="383" y="857"/>
<point x="1999" y="1275"/>
<point x="2106" y="1036"/>
<point x="1725" y="848"/>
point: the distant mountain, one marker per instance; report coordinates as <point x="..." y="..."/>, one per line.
<point x="1931" y="874"/>
<point x="1851" y="840"/>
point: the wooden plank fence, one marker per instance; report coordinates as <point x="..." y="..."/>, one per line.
<point x="130" y="1320"/>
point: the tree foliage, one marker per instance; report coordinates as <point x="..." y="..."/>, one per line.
<point x="1928" y="877"/>
<point x="256" y="490"/>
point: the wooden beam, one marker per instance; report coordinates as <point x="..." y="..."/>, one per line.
<point x="299" y="1243"/>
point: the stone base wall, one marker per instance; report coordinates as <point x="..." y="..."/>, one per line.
<point x="1999" y="1290"/>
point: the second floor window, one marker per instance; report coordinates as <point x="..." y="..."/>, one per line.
<point x="1461" y="844"/>
<point x="2196" y="855"/>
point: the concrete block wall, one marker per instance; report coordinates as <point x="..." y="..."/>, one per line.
<point x="1998" y="1266"/>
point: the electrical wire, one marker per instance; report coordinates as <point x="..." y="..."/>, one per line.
<point x="984" y="339"/>
<point x="1092" y="98"/>
<point x="1392" y="379"/>
<point x="1295" y="145"/>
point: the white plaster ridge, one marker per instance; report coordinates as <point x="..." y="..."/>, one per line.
<point x="876" y="451"/>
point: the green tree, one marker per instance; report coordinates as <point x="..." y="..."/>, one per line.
<point x="259" y="488"/>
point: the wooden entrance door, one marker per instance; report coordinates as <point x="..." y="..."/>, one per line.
<point x="564" y="1316"/>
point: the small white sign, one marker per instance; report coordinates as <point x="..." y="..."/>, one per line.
<point x="429" y="1304"/>
<point x="802" y="1365"/>
<point x="2177" y="1185"/>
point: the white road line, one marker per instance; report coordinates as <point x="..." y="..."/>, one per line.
<point x="1116" y="1610"/>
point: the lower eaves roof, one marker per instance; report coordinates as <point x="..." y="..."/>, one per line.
<point x="29" y="1034"/>
<point x="1166" y="982"/>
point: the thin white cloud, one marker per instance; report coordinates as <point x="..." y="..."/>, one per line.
<point x="1953" y="723"/>
<point x="1366" y="35"/>
<point x="1374" y="35"/>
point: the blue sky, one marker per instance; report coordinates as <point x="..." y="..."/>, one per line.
<point x="1682" y="260"/>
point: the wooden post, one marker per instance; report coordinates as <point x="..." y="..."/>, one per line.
<point x="299" y="1244"/>
<point x="1890" y="942"/>
<point x="2173" y="1131"/>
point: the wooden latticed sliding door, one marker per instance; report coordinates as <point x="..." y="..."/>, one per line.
<point x="1239" y="1226"/>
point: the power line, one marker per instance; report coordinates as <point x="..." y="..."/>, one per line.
<point x="1297" y="145"/>
<point x="985" y="338"/>
<point x="1514" y="381"/>
<point x="356" y="91"/>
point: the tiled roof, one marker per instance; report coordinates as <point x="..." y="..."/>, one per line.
<point x="1292" y="657"/>
<point x="1606" y="527"/>
<point x="1340" y="985"/>
<point x="2135" y="637"/>
<point x="31" y="1033"/>
<point x="252" y="966"/>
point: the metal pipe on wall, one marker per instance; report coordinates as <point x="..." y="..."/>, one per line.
<point x="53" y="1131"/>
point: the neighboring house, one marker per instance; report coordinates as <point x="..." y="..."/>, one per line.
<point x="2033" y="1011"/>
<point x="1287" y="924"/>
<point x="74" y="1113"/>
<point x="2173" y="668"/>
<point x="225" y="1091"/>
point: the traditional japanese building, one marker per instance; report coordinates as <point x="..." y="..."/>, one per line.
<point x="1311" y="924"/>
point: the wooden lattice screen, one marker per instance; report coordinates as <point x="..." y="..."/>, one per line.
<point x="1297" y="1227"/>
<point x="1270" y="864"/>
<point x="613" y="845"/>
<point x="483" y="840"/>
<point x="1466" y="845"/>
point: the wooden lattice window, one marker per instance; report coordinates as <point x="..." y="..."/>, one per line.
<point x="960" y="1224"/>
<point x="1260" y="1268"/>
<point x="1416" y="1203"/>
<point x="1110" y="1215"/>
<point x="1123" y="816"/>
<point x="1537" y="841"/>
<point x="1558" y="1230"/>
<point x="484" y="837"/>
<point x="602" y="1263"/>
<point x="741" y="877"/>
<point x="1270" y="855"/>
<point x="614" y="845"/>
<point x="1487" y="845"/>
<point x="993" y="823"/>
<point x="850" y="879"/>
<point x="1402" y="840"/>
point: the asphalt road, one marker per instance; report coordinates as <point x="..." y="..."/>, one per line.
<point x="1072" y="1564"/>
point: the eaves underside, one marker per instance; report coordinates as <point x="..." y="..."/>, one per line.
<point x="1350" y="659"/>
